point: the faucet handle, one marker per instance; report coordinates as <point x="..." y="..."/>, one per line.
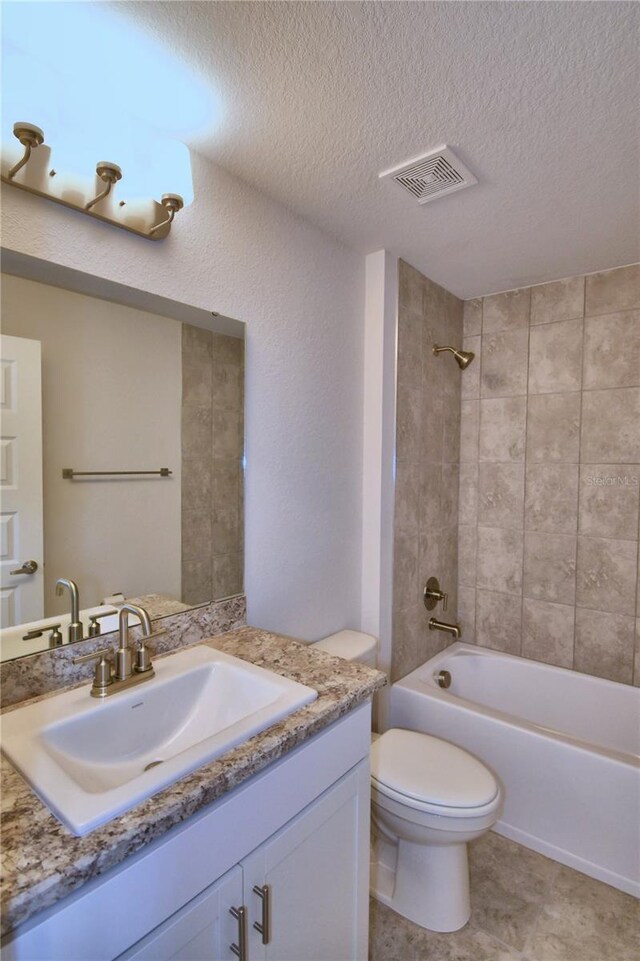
<point x="102" y="677"/>
<point x="143" y="658"/>
<point x="432" y="594"/>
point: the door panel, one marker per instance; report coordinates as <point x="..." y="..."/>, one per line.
<point x="21" y="535"/>
<point x="313" y="868"/>
<point x="201" y="931"/>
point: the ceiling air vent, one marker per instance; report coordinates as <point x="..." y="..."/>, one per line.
<point x="433" y="175"/>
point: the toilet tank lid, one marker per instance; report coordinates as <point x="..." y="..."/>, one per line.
<point x="353" y="645"/>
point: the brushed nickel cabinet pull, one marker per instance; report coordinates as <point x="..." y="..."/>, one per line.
<point x="264" y="927"/>
<point x="240" y="949"/>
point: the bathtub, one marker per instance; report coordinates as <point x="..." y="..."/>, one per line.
<point x="564" y="745"/>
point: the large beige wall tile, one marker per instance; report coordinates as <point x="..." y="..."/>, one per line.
<point x="501" y="495"/>
<point x="196" y="483"/>
<point x="449" y="507"/>
<point x="636" y="660"/>
<point x="196" y="432"/>
<point x="451" y="428"/>
<point x="226" y="480"/>
<point x="556" y="357"/>
<point x="228" y="434"/>
<point x="467" y="551"/>
<point x="468" y="494"/>
<point x="551" y="499"/>
<point x="610" y="426"/>
<point x="553" y="428"/>
<point x="404" y="648"/>
<point x="472" y="317"/>
<point x="506" y="311"/>
<point x="410" y="287"/>
<point x="227" y="387"/>
<point x="467" y="613"/>
<point x="606" y="578"/>
<point x="410" y="348"/>
<point x="225" y="529"/>
<point x="604" y="645"/>
<point x="431" y="496"/>
<point x="226" y="574"/>
<point x="612" y="350"/>
<point x="499" y="560"/>
<point x="197" y="349"/>
<point x="613" y="290"/>
<point x="227" y="350"/>
<point x="550" y="567"/>
<point x="196" y="581"/>
<point x="405" y="568"/>
<point x="504" y="363"/>
<point x="431" y="427"/>
<point x="499" y="621"/>
<point x="196" y="535"/>
<point x="470" y="378"/>
<point x="469" y="430"/>
<point x="408" y="427"/>
<point x="407" y="496"/>
<point x="547" y="632"/>
<point x="502" y="429"/>
<point x="197" y="390"/>
<point x="560" y="300"/>
<point x="609" y="500"/>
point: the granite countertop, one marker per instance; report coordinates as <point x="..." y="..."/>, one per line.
<point x="43" y="862"/>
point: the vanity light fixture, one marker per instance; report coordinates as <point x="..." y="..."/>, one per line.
<point x="146" y="218"/>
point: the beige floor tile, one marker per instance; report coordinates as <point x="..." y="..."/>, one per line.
<point x="508" y="886"/>
<point x="393" y="938"/>
<point x="525" y="907"/>
<point x="585" y="920"/>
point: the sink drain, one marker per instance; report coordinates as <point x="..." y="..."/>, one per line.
<point x="153" y="764"/>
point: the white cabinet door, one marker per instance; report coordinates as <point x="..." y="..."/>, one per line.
<point x="203" y="930"/>
<point x="21" y="537"/>
<point x="316" y="871"/>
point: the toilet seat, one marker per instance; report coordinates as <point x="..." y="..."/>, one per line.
<point x="431" y="775"/>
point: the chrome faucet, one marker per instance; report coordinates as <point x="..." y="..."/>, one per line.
<point x="107" y="681"/>
<point x="124" y="654"/>
<point x="435" y="625"/>
<point x="75" y="627"/>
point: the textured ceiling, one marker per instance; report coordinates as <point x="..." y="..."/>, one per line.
<point x="540" y="100"/>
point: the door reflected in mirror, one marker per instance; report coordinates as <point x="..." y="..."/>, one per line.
<point x="122" y="458"/>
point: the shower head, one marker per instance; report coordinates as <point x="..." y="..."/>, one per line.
<point x="463" y="357"/>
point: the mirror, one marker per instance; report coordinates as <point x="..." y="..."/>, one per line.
<point x="122" y="453"/>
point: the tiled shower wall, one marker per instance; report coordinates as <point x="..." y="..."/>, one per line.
<point x="550" y="473"/>
<point x="212" y="477"/>
<point x="427" y="454"/>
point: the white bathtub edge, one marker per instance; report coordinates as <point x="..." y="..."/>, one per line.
<point x="585" y="867"/>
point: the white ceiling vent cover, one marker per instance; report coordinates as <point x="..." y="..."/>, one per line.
<point x="433" y="175"/>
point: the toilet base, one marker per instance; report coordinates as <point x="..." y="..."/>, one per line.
<point x="430" y="883"/>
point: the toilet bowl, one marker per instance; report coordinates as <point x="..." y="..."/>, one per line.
<point x="428" y="799"/>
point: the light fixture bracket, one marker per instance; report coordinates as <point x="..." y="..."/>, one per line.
<point x="148" y="219"/>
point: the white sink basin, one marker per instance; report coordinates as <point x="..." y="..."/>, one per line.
<point x="89" y="760"/>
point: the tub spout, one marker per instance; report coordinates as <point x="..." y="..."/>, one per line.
<point x="436" y="625"/>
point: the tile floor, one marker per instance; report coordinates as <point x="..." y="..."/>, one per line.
<point x="524" y="907"/>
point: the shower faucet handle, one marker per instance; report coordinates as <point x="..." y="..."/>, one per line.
<point x="432" y="594"/>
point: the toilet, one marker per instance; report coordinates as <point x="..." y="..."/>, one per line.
<point x="428" y="799"/>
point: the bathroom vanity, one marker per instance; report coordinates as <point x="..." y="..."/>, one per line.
<point x="260" y="854"/>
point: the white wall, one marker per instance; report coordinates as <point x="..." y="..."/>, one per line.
<point x="301" y="295"/>
<point x="111" y="399"/>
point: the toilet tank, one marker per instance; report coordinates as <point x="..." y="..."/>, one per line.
<point x="352" y="645"/>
